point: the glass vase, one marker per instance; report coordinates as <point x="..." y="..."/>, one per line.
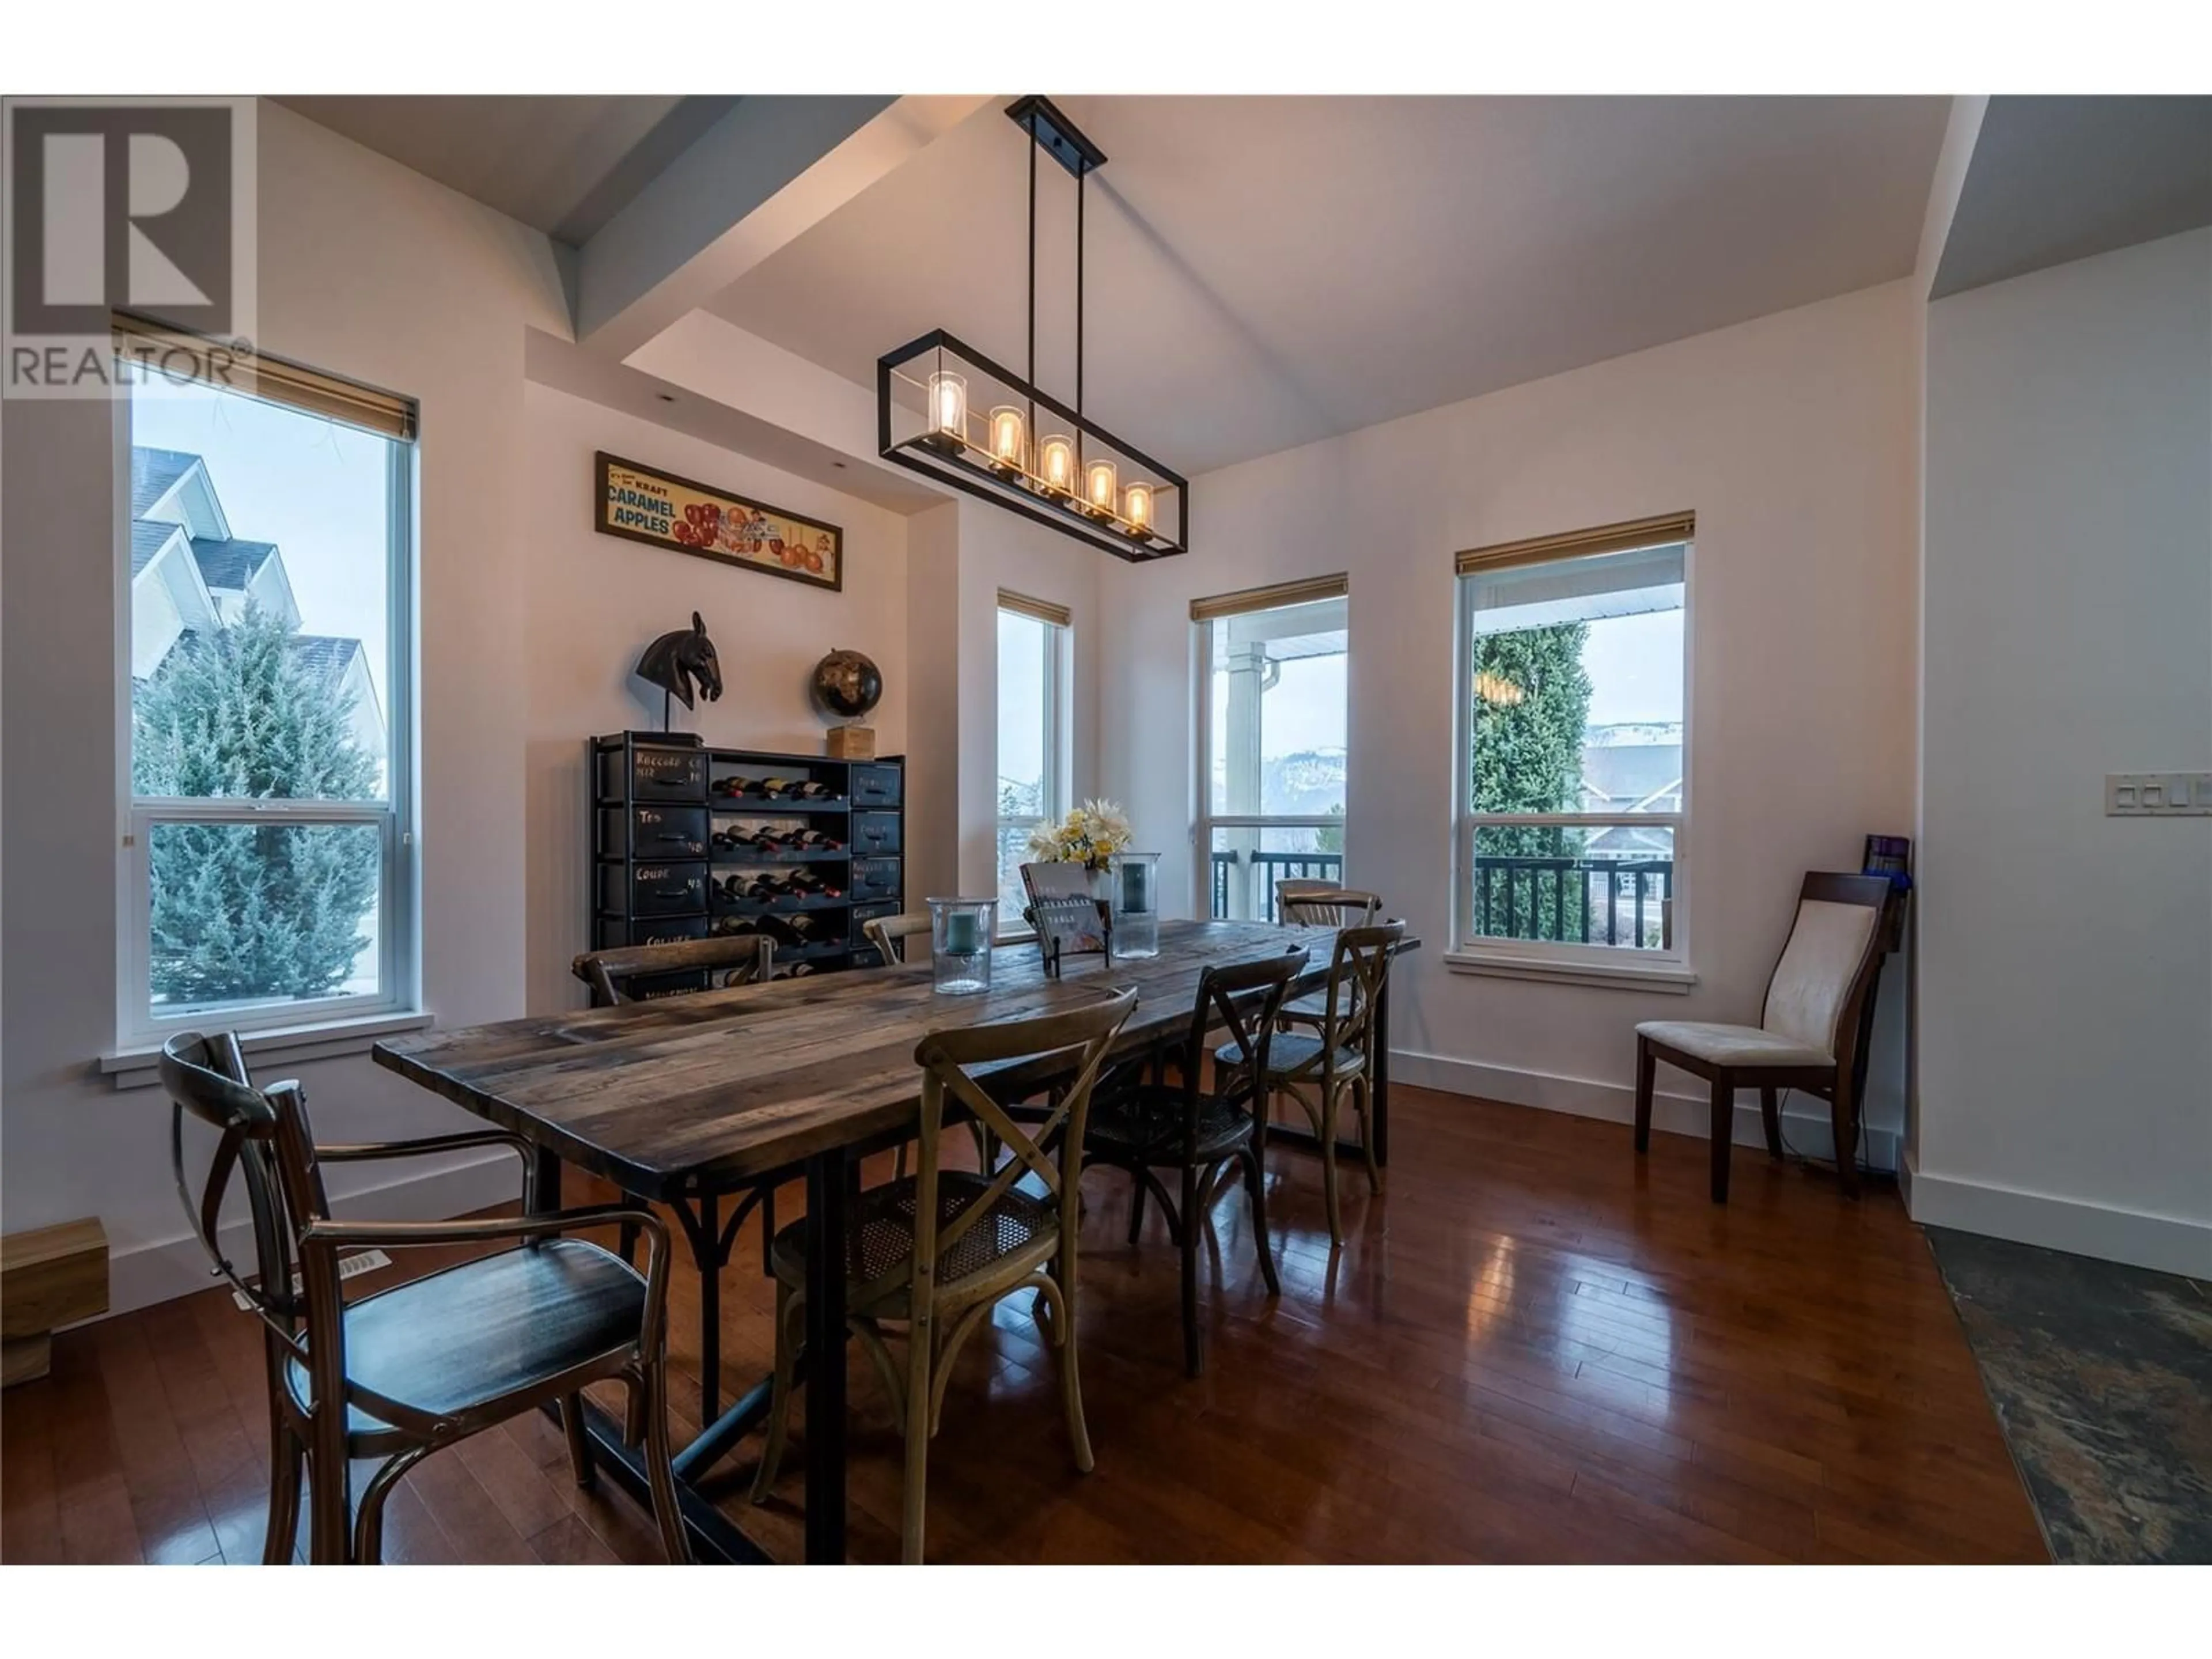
<point x="1135" y="891"/>
<point x="960" y="932"/>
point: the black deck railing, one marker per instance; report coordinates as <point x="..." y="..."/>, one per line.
<point x="1624" y="902"/>
<point x="1267" y="869"/>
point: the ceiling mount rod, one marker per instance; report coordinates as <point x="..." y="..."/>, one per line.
<point x="1057" y="136"/>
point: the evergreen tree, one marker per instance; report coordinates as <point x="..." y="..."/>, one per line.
<point x="251" y="910"/>
<point x="1528" y="759"/>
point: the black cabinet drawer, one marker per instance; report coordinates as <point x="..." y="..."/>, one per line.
<point x="875" y="832"/>
<point x="875" y="878"/>
<point x="655" y="774"/>
<point x="653" y="890"/>
<point x="651" y="988"/>
<point x="671" y="930"/>
<point x="655" y="832"/>
<point x="876" y="785"/>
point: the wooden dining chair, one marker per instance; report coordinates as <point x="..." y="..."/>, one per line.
<point x="1301" y="901"/>
<point x="1807" y="1035"/>
<point x="985" y="1238"/>
<point x="1196" y="1128"/>
<point x="407" y="1371"/>
<point x="617" y="975"/>
<point x="888" y="934"/>
<point x="1318" y="1071"/>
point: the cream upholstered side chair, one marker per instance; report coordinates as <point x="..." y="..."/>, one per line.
<point x="1808" y="1035"/>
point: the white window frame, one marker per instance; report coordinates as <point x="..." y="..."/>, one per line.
<point x="138" y="1025"/>
<point x="1206" y="819"/>
<point x="1059" y="651"/>
<point x="1665" y="967"/>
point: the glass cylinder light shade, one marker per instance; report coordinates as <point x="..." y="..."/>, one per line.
<point x="960" y="932"/>
<point x="1056" y="462"/>
<point x="1100" y="485"/>
<point x="948" y="403"/>
<point x="1007" y="449"/>
<point x="1137" y="506"/>
<point x="1135" y="891"/>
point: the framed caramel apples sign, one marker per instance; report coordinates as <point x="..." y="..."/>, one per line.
<point x="661" y="509"/>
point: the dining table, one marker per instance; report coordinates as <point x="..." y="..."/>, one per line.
<point x="688" y="1102"/>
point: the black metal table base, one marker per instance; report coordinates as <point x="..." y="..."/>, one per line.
<point x="715" y="1541"/>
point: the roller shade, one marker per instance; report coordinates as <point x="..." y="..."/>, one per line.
<point x="268" y="378"/>
<point x="1269" y="598"/>
<point x="1042" y="610"/>
<point x="1637" y="533"/>
<point x="1580" y="589"/>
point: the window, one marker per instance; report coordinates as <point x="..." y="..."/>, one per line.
<point x="1574" y="749"/>
<point x="1271" y="755"/>
<point x="1032" y="755"/>
<point x="267" y="635"/>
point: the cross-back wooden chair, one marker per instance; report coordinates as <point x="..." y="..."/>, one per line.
<point x="1809" y="1031"/>
<point x="888" y="934"/>
<point x="1337" y="1060"/>
<point x="1302" y="902"/>
<point x="985" y="1239"/>
<point x="399" y="1375"/>
<point x="1146" y="1126"/>
<point x="616" y="975"/>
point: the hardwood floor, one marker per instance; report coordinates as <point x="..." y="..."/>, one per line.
<point x="1532" y="1348"/>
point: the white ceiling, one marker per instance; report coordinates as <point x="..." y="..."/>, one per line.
<point x="561" y="165"/>
<point x="1263" y="272"/>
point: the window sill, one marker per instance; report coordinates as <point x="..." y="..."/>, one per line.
<point x="138" y="1068"/>
<point x="1672" y="979"/>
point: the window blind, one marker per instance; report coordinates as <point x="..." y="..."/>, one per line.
<point x="215" y="363"/>
<point x="1630" y="536"/>
<point x="1269" y="598"/>
<point x="1043" y="610"/>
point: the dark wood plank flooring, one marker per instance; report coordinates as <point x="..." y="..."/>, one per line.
<point x="1531" y="1349"/>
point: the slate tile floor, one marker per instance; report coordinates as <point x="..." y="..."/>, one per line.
<point x="2101" y="1375"/>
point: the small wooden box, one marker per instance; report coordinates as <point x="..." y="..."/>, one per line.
<point x="852" y="743"/>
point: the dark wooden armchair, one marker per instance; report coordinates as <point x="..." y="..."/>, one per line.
<point x="1809" y="1032"/>
<point x="396" y="1375"/>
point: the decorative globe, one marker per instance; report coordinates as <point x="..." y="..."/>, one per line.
<point x="847" y="684"/>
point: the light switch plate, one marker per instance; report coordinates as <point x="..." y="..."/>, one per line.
<point x="2158" y="794"/>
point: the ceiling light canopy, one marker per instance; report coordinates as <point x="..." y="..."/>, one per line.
<point x="945" y="410"/>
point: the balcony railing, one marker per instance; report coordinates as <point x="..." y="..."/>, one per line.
<point x="1266" y="869"/>
<point x="1624" y="902"/>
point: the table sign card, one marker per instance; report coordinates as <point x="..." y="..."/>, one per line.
<point x="1070" y="926"/>
<point x="643" y="504"/>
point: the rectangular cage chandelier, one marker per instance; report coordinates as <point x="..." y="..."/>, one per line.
<point x="945" y="410"/>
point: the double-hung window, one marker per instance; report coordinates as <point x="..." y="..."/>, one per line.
<point x="1032" y="769"/>
<point x="267" y="565"/>
<point x="1574" y="746"/>
<point x="1272" y="741"/>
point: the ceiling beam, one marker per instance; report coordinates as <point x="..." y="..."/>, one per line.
<point x="763" y="174"/>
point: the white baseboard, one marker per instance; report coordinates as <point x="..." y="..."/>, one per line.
<point x="1806" y="1131"/>
<point x="171" y="1267"/>
<point x="2164" y="1243"/>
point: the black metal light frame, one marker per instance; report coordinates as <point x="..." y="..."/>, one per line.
<point x="928" y="454"/>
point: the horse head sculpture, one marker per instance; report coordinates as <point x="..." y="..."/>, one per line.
<point x="677" y="660"/>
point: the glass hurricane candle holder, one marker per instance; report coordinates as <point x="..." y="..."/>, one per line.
<point x="1133" y="887"/>
<point x="960" y="932"/>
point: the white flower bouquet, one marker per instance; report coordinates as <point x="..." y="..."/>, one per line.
<point x="1089" y="836"/>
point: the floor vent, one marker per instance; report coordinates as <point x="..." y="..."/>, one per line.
<point x="349" y="1267"/>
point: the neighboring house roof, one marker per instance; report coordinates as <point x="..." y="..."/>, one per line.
<point x="147" y="537"/>
<point x="153" y="473"/>
<point x="1630" y="773"/>
<point x="227" y="566"/>
<point x="323" y="658"/>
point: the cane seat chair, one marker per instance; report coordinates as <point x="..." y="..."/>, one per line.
<point x="400" y="1374"/>
<point x="1145" y="1126"/>
<point x="985" y="1239"/>
<point x="1810" y="1031"/>
<point x="888" y="934"/>
<point x="1302" y="902"/>
<point x="1320" y="1069"/>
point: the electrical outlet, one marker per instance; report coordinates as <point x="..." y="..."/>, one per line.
<point x="2158" y="794"/>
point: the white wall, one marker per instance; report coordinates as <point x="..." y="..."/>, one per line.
<point x="594" y="602"/>
<point x="2065" y="1010"/>
<point x="1790" y="438"/>
<point x="368" y="271"/>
